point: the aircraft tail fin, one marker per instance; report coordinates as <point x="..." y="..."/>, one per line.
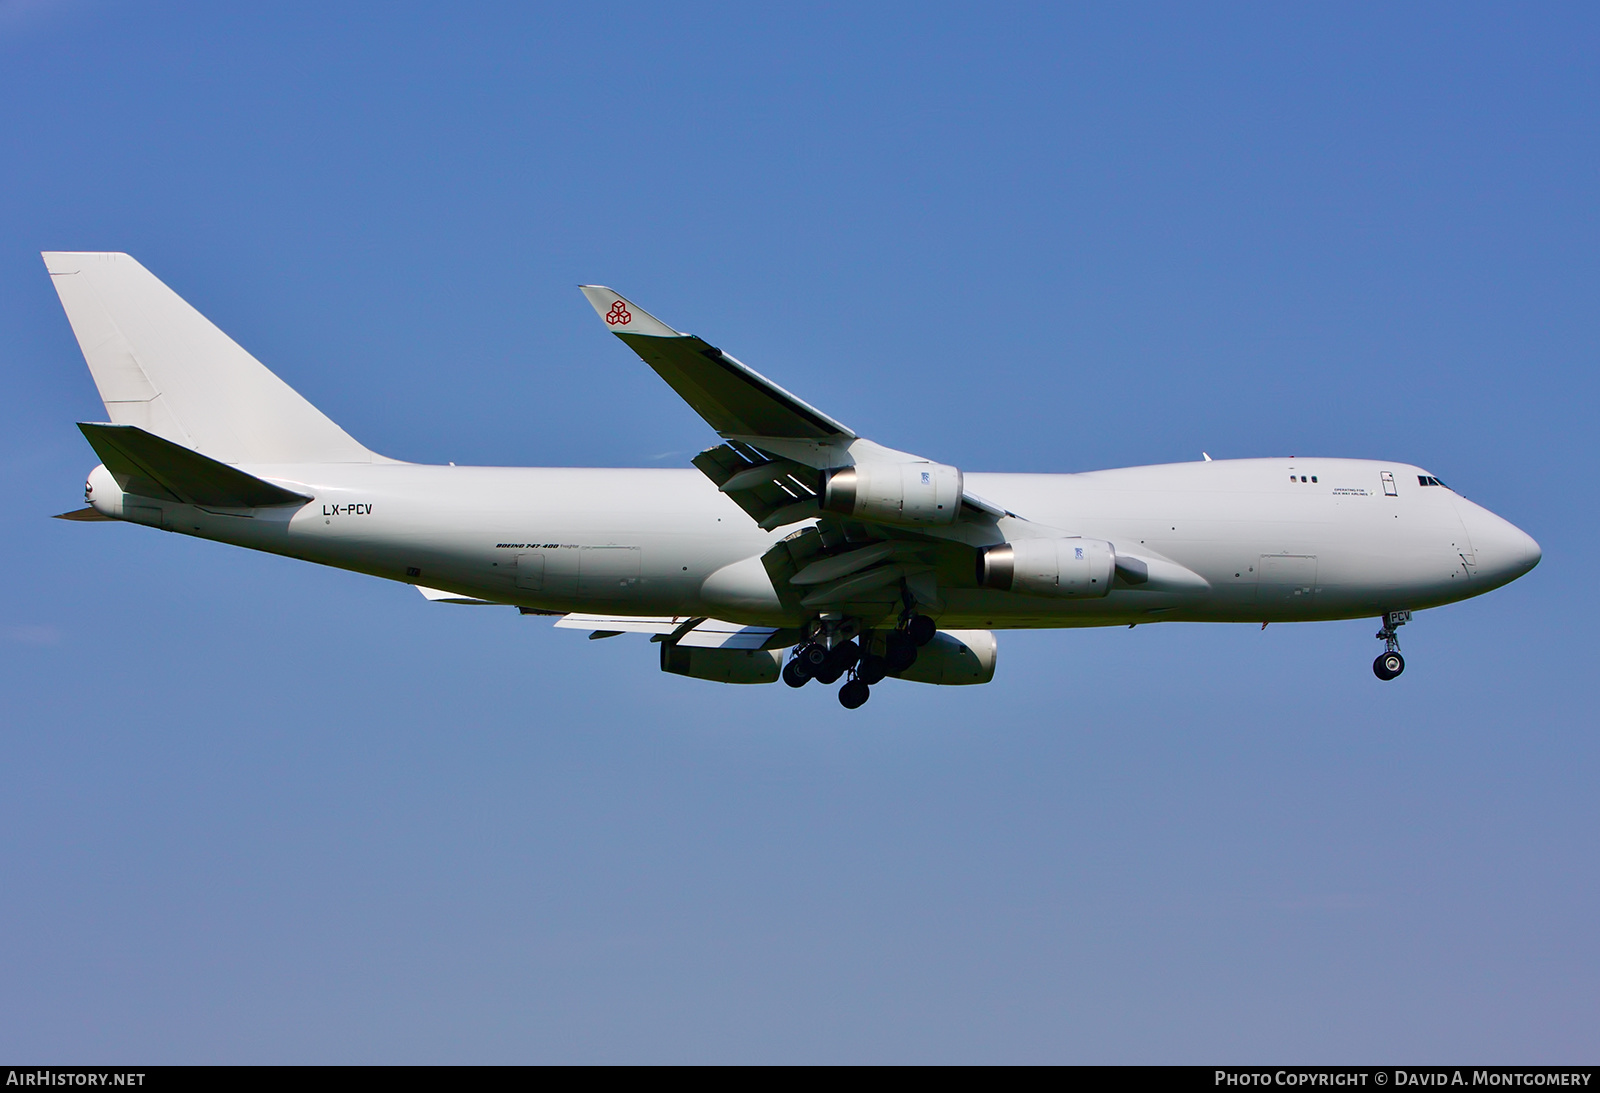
<point x="162" y="366"/>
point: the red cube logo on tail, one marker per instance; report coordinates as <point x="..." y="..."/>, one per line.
<point x="618" y="314"/>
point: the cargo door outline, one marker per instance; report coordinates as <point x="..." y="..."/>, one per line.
<point x="530" y="571"/>
<point x="553" y="572"/>
<point x="608" y="572"/>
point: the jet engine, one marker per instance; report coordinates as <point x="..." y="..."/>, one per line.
<point x="954" y="658"/>
<point x="1049" y="567"/>
<point x="895" y="493"/>
<point x="723" y="665"/>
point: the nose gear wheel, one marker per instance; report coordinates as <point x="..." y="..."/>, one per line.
<point x="1390" y="663"/>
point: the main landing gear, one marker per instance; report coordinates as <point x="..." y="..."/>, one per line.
<point x="1390" y="663"/>
<point x="824" y="662"/>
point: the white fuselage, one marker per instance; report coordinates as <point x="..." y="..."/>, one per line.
<point x="1364" y="538"/>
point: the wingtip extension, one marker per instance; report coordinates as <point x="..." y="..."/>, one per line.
<point x="622" y="315"/>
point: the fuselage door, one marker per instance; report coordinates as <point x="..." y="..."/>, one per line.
<point x="530" y="571"/>
<point x="552" y="571"/>
<point x="1388" y="485"/>
<point x="609" y="572"/>
<point x="1287" y="579"/>
<point x="1461" y="542"/>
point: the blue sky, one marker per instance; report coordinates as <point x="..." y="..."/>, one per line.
<point x="251" y="810"/>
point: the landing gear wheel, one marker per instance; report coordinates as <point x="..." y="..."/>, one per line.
<point x="900" y="652"/>
<point x="853" y="694"/>
<point x="872" y="669"/>
<point x="844" y="656"/>
<point x="815" y="656"/>
<point x="839" y="660"/>
<point x="1388" y="665"/>
<point x="921" y="629"/>
<point x="795" y="674"/>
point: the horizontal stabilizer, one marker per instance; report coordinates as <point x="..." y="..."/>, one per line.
<point x="733" y="398"/>
<point x="145" y="464"/>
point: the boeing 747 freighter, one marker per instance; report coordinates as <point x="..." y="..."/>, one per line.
<point x="794" y="549"/>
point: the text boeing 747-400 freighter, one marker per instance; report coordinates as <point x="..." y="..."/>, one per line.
<point x="794" y="549"/>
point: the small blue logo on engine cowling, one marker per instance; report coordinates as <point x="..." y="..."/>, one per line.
<point x="1079" y="554"/>
<point x="925" y="479"/>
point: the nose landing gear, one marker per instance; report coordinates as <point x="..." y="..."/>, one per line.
<point x="1390" y="663"/>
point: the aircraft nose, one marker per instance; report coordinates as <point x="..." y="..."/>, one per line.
<point x="1504" y="551"/>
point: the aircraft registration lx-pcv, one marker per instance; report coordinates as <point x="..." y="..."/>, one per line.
<point x="794" y="549"/>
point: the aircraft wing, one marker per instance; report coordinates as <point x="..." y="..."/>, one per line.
<point x="779" y="447"/>
<point x="734" y="399"/>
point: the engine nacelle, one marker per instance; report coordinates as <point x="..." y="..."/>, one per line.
<point x="954" y="658"/>
<point x="895" y="493"/>
<point x="1049" y="567"/>
<point x="723" y="665"/>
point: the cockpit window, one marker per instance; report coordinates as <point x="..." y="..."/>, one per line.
<point x="1429" y="480"/>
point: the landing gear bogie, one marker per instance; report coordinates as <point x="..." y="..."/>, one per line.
<point x="832" y="653"/>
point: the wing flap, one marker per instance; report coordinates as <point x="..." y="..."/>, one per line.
<point x="622" y="624"/>
<point x="773" y="492"/>
<point x="691" y="632"/>
<point x="716" y="634"/>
